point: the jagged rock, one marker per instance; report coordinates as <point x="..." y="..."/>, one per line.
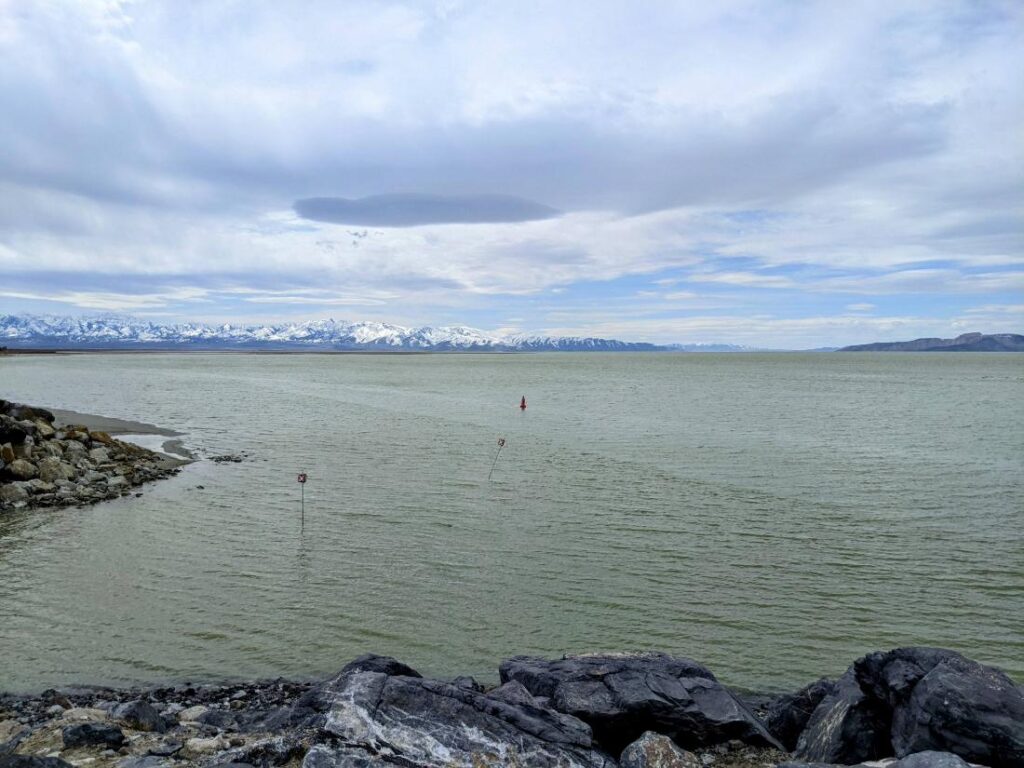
<point x="141" y="716"/>
<point x="466" y="681"/>
<point x="623" y="696"/>
<point x="93" y="734"/>
<point x="429" y="722"/>
<point x="787" y="715"/>
<point x="963" y="707"/>
<point x="21" y="469"/>
<point x="652" y="750"/>
<point x="882" y="706"/>
<point x="846" y="727"/>
<point x="514" y="692"/>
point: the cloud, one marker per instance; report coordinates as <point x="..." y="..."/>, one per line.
<point x="411" y="210"/>
<point x="816" y="149"/>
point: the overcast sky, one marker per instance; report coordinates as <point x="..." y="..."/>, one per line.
<point x="771" y="173"/>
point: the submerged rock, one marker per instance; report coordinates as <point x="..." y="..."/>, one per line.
<point x="623" y="696"/>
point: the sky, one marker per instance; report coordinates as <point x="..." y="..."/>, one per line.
<point x="778" y="173"/>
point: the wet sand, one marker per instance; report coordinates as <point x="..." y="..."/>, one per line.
<point x="135" y="431"/>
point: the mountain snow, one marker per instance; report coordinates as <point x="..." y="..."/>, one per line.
<point x="119" y="331"/>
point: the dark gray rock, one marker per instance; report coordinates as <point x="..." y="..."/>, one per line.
<point x="514" y="692"/>
<point x="371" y="662"/>
<point x="918" y="760"/>
<point x="786" y="716"/>
<point x="652" y="750"/>
<point x="92" y="735"/>
<point x="963" y="707"/>
<point x="465" y="681"/>
<point x="890" y="676"/>
<point x="140" y="716"/>
<point x="376" y="716"/>
<point x="166" y="748"/>
<point x="144" y="761"/>
<point x="221" y="719"/>
<point x="623" y="696"/>
<point x="31" y="761"/>
<point x="846" y="727"/>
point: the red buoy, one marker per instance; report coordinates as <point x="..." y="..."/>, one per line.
<point x="522" y="404"/>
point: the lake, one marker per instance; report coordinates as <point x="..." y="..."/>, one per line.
<point x="772" y="516"/>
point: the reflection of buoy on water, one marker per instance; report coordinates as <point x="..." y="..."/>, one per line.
<point x="522" y="404"/>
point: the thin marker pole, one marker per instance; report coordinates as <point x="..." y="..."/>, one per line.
<point x="501" y="444"/>
<point x="302" y="484"/>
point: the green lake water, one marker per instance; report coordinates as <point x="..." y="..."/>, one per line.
<point x="772" y="516"/>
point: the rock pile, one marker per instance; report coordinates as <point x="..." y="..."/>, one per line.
<point x="629" y="711"/>
<point x="43" y="464"/>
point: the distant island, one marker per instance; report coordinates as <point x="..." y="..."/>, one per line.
<point x="967" y="342"/>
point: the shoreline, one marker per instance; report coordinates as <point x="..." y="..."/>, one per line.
<point x="65" y="458"/>
<point x="584" y="711"/>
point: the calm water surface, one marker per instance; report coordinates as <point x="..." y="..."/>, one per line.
<point x="773" y="516"/>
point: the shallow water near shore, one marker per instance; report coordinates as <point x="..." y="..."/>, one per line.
<point x="772" y="516"/>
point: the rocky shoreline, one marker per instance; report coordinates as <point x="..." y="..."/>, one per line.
<point x="44" y="463"/>
<point x="906" y="708"/>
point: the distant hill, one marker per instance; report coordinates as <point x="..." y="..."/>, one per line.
<point x="967" y="342"/>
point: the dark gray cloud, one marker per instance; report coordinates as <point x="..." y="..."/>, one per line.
<point x="415" y="209"/>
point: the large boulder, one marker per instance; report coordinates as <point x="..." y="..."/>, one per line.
<point x="621" y="697"/>
<point x="882" y="707"/>
<point x="963" y="707"/>
<point x="381" y="719"/>
<point x="786" y="716"/>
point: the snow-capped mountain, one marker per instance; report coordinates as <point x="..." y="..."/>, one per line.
<point x="122" y="332"/>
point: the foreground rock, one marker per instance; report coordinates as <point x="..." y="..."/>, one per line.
<point x="944" y="711"/>
<point x="913" y="700"/>
<point x="623" y="696"/>
<point x="46" y="465"/>
<point x="378" y="718"/>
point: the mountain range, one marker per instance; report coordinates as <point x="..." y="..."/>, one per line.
<point x="967" y="342"/>
<point x="123" y="332"/>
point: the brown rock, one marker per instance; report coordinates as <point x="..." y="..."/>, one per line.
<point x="20" y="469"/>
